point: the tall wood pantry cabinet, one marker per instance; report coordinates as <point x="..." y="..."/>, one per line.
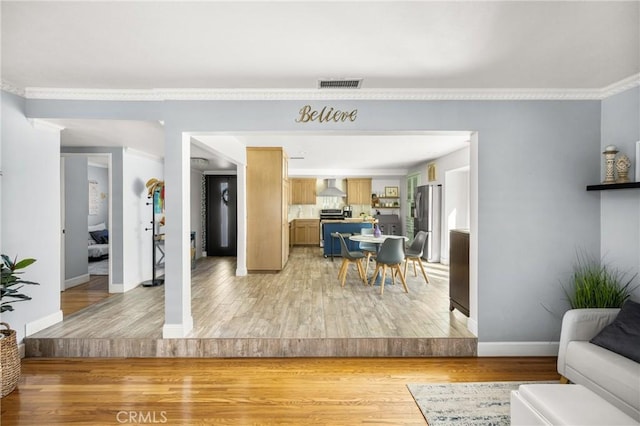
<point x="267" y="209"/>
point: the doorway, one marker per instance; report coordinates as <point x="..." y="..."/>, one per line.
<point x="221" y="215"/>
<point x="85" y="223"/>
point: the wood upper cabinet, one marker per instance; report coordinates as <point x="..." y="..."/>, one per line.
<point x="306" y="232"/>
<point x="303" y="191"/>
<point x="359" y="191"/>
<point x="267" y="209"/>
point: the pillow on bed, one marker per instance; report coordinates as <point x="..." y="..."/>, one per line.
<point x="98" y="227"/>
<point x="100" y="237"/>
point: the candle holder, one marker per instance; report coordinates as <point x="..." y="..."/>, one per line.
<point x="609" y="160"/>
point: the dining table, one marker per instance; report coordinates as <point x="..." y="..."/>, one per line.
<point x="372" y="239"/>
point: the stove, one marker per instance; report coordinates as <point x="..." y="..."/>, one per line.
<point x="328" y="214"/>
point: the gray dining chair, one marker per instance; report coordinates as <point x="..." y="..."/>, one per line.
<point x="414" y="254"/>
<point x="349" y="257"/>
<point x="368" y="249"/>
<point x="391" y="255"/>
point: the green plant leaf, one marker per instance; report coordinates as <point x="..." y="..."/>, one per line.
<point x="11" y="282"/>
<point x="23" y="263"/>
<point x="597" y="285"/>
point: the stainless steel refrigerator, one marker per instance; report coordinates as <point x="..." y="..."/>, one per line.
<point x="426" y="218"/>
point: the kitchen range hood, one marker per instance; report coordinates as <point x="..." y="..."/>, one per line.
<point x="331" y="190"/>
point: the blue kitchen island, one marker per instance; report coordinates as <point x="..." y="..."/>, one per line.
<point x="332" y="245"/>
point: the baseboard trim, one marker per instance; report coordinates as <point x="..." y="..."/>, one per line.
<point x="518" y="348"/>
<point x="116" y="288"/>
<point x="42" y="323"/>
<point x="80" y="279"/>
<point x="472" y="326"/>
<point x="177" y="331"/>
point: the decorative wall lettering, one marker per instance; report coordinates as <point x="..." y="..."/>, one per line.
<point x="325" y="115"/>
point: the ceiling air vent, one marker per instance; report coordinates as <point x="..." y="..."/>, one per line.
<point x="345" y="83"/>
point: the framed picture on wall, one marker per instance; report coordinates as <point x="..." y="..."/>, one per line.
<point x="390" y="191"/>
<point x="431" y="172"/>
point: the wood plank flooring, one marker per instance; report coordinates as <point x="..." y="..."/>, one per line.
<point x="301" y="311"/>
<point x="294" y="391"/>
<point x="84" y="295"/>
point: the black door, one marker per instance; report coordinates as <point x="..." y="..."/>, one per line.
<point x="222" y="228"/>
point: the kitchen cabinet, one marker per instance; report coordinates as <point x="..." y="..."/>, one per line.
<point x="389" y="224"/>
<point x="303" y="191"/>
<point x="267" y="209"/>
<point x="459" y="270"/>
<point x="358" y="191"/>
<point x="306" y="232"/>
<point x="331" y="246"/>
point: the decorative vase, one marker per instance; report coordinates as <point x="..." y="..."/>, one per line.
<point x="609" y="157"/>
<point x="622" y="167"/>
<point x="376" y="230"/>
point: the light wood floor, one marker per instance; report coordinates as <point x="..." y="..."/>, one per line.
<point x="84" y="295"/>
<point x="308" y="391"/>
<point x="304" y="301"/>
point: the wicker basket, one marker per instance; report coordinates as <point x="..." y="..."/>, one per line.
<point x="9" y="360"/>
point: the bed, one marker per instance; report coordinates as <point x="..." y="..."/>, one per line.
<point x="98" y="242"/>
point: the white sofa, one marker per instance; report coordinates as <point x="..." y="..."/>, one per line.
<point x="611" y="376"/>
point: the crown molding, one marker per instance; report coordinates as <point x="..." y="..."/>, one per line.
<point x="620" y="86"/>
<point x="156" y="95"/>
<point x="8" y="87"/>
<point x="40" y="124"/>
<point x="143" y="154"/>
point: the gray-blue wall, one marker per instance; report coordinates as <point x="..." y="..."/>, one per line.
<point x="621" y="208"/>
<point x="76" y="208"/>
<point x="535" y="160"/>
<point x="116" y="226"/>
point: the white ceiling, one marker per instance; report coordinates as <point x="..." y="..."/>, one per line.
<point x="412" y="45"/>
<point x="280" y="44"/>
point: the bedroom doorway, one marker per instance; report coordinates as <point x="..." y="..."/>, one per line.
<point x="86" y="218"/>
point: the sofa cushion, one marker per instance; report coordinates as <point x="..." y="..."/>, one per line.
<point x="571" y="405"/>
<point x="622" y="336"/>
<point x="594" y="367"/>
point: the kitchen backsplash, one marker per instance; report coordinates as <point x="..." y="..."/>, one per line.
<point x="307" y="211"/>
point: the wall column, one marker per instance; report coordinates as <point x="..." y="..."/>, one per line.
<point x="241" y="256"/>
<point x="178" y="321"/>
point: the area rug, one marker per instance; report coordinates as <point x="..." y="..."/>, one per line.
<point x="465" y="404"/>
<point x="100" y="267"/>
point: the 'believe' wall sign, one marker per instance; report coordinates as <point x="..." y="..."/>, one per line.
<point x="325" y="115"/>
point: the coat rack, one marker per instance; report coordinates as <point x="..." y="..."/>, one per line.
<point x="156" y="194"/>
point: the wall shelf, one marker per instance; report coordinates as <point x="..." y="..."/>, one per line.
<point x="605" y="186"/>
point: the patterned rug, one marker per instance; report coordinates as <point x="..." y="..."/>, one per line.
<point x="449" y="404"/>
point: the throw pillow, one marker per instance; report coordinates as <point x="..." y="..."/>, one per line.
<point x="622" y="336"/>
<point x="100" y="237"/>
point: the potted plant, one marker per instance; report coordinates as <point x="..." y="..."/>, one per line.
<point x="595" y="284"/>
<point x="10" y="285"/>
